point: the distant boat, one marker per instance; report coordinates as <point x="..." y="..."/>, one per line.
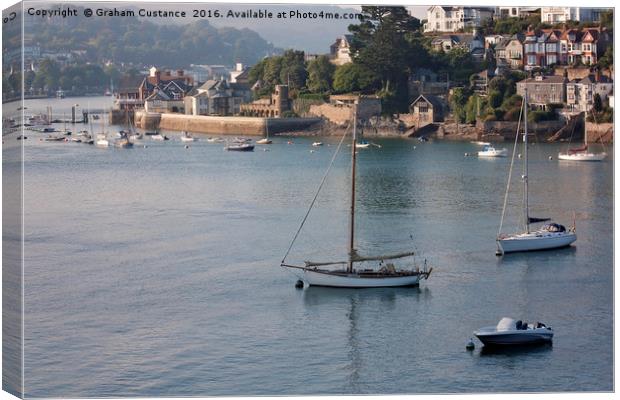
<point x="55" y="139"/>
<point x="362" y="144"/>
<point x="550" y="236"/>
<point x="509" y="332"/>
<point x="102" y="142"/>
<point x="60" y="94"/>
<point x="582" y="153"/>
<point x="266" y="139"/>
<point x="316" y="144"/>
<point x="240" y="147"/>
<point x="345" y="274"/>
<point x="479" y="143"/>
<point x="215" y="140"/>
<point x="490" y="151"/>
<point x="186" y="137"/>
<point x="159" y="137"/>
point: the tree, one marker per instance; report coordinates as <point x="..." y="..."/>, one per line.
<point x="353" y="78"/>
<point x="598" y="103"/>
<point x="382" y="43"/>
<point x="458" y="100"/>
<point x="607" y="60"/>
<point x="320" y="75"/>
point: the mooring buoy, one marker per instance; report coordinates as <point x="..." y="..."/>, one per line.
<point x="550" y="157"/>
<point x="470" y="345"/>
<point x="299" y="284"/>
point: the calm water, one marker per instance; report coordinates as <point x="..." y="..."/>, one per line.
<point x="154" y="271"/>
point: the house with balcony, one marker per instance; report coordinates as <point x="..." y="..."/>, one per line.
<point x="583" y="46"/>
<point x="509" y="52"/>
<point x="455" y="19"/>
<point x="555" y="15"/>
<point x="542" y="48"/>
<point x="580" y="93"/>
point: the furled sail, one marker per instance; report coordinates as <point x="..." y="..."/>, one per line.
<point x="357" y="258"/>
<point x="534" y="220"/>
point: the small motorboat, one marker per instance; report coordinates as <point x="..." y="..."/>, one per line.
<point x="479" y="143"/>
<point x="490" y="151"/>
<point x="150" y="133"/>
<point x="159" y="137"/>
<point x="510" y="332"/>
<point x="123" y="143"/>
<point x="136" y="136"/>
<point x="362" y="145"/>
<point x="240" y="147"/>
<point x="215" y="140"/>
<point x="422" y="139"/>
<point x="264" y="141"/>
<point x="316" y="144"/>
<point x="54" y="139"/>
<point x="102" y="142"/>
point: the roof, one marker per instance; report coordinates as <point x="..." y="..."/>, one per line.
<point x="435" y="101"/>
<point x="545" y="79"/>
<point x="130" y="83"/>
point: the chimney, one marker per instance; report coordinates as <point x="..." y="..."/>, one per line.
<point x="157" y="77"/>
<point x="597" y="75"/>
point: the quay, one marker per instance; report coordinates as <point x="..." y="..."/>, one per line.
<point x="232" y="125"/>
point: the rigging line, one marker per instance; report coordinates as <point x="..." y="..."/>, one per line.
<point x="315" y="196"/>
<point x="512" y="161"/>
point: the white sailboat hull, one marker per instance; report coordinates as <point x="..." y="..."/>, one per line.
<point x="353" y="280"/>
<point x="540" y="240"/>
<point x="582" y="156"/>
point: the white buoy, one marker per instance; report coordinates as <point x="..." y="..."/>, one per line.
<point x="466" y="154"/>
<point x="186" y="146"/>
<point x="550" y="157"/>
<point x="145" y="146"/>
<point x="414" y="147"/>
<point x="519" y="155"/>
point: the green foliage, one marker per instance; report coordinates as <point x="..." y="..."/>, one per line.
<point x="289" y="114"/>
<point x="606" y="115"/>
<point x="287" y="69"/>
<point x="320" y="75"/>
<point x="598" y="103"/>
<point x="540" y="115"/>
<point x="510" y="26"/>
<point x="607" y="60"/>
<point x="458" y="102"/>
<point x="387" y="45"/>
<point x="607" y="19"/>
<point x="354" y="78"/>
<point x="495" y="98"/>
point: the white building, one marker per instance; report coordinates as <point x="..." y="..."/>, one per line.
<point x="515" y="12"/>
<point x="580" y="93"/>
<point x="453" y="19"/>
<point x="214" y="97"/>
<point x="554" y="15"/>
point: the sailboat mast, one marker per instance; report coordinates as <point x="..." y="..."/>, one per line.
<point x="526" y="205"/>
<point x="352" y="221"/>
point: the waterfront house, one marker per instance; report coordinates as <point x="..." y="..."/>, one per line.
<point x="167" y="98"/>
<point x="454" y="19"/>
<point x="214" y="97"/>
<point x="543" y="90"/>
<point x="128" y="95"/>
<point x="339" y="51"/>
<point x="542" y="48"/>
<point x="583" y="46"/>
<point x="272" y="107"/>
<point x="427" y="109"/>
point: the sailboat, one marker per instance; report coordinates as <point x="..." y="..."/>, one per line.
<point x="582" y="153"/>
<point x="102" y="138"/>
<point x="346" y="275"/>
<point x="266" y="139"/>
<point x="551" y="235"/>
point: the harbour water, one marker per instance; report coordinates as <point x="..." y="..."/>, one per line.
<point x="154" y="271"/>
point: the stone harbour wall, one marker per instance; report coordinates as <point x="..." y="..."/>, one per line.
<point x="249" y="126"/>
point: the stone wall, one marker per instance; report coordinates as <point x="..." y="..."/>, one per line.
<point x="222" y="125"/>
<point x="508" y="129"/>
<point x="339" y="115"/>
<point x="600" y="132"/>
